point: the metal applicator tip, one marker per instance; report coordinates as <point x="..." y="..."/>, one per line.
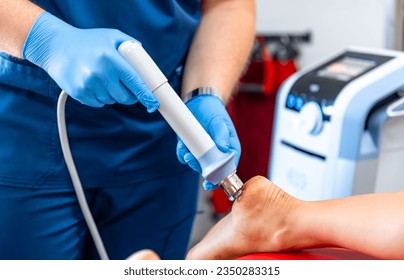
<point x="232" y="186"/>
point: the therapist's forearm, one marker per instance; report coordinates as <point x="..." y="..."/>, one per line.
<point x="16" y="19"/>
<point x="221" y="45"/>
<point x="372" y="224"/>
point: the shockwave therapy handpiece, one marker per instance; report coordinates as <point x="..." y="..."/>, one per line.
<point x="217" y="167"/>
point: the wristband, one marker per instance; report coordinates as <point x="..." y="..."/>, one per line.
<point x="202" y="91"/>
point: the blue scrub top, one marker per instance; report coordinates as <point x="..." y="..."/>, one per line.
<point x="112" y="146"/>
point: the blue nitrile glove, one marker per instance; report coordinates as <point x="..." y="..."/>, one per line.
<point x="211" y="112"/>
<point x="85" y="63"/>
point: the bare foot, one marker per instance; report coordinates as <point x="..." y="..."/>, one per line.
<point x="257" y="223"/>
<point x="144" y="255"/>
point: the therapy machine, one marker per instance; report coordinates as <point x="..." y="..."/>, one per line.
<point x="339" y="126"/>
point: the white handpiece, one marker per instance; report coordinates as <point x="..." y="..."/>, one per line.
<point x="217" y="167"/>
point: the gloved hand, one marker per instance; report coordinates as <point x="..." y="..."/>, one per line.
<point x="211" y="112"/>
<point x="85" y="63"/>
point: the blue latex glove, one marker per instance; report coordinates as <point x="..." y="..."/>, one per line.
<point x="211" y="112"/>
<point x="85" y="63"/>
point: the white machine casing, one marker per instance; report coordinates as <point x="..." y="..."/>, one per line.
<point x="352" y="142"/>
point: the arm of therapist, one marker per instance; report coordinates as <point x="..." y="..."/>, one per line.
<point x="16" y="19"/>
<point x="83" y="62"/>
<point x="216" y="59"/>
<point x="221" y="45"/>
<point x="267" y="219"/>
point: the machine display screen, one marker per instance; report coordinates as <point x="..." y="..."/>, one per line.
<point x="346" y="68"/>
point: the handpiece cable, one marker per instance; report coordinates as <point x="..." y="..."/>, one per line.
<point x="64" y="141"/>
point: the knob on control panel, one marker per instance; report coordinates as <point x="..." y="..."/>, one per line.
<point x="311" y="118"/>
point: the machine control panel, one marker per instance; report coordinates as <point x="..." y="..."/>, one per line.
<point x="311" y="118"/>
<point x="323" y="84"/>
